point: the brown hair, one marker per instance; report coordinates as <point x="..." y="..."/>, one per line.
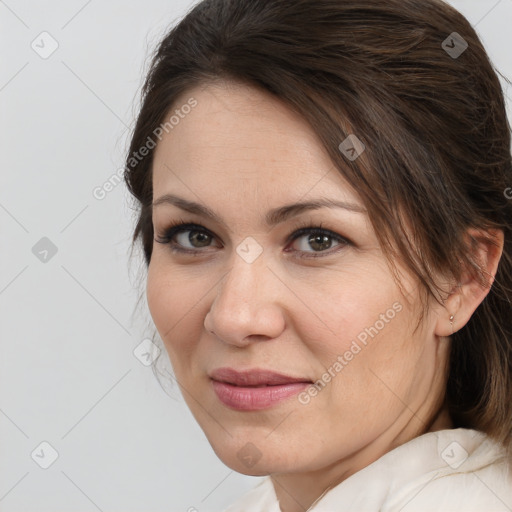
<point x="434" y="125"/>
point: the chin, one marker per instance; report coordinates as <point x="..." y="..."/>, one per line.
<point x="246" y="458"/>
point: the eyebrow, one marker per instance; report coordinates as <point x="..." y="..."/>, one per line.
<point x="272" y="218"/>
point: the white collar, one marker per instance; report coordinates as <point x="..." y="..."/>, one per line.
<point x="412" y="478"/>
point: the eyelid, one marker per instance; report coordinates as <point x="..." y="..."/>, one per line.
<point x="302" y="227"/>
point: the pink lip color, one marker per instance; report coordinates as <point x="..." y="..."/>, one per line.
<point x="255" y="398"/>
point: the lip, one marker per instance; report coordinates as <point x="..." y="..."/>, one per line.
<point x="254" y="389"/>
<point x="253" y="377"/>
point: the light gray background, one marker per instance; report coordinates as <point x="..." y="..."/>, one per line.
<point x="68" y="374"/>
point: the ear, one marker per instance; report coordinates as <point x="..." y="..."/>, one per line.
<point x="486" y="247"/>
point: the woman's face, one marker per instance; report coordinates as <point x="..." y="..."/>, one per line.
<point x="319" y="306"/>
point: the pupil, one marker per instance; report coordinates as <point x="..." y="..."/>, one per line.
<point x="201" y="238"/>
<point x="323" y="242"/>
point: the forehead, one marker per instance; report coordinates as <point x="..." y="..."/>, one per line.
<point x="239" y="136"/>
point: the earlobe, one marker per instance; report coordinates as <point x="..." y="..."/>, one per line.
<point x="449" y="320"/>
<point x="464" y="299"/>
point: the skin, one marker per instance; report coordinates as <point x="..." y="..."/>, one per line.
<point x="241" y="152"/>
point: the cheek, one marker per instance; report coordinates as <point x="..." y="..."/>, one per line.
<point x="347" y="306"/>
<point x="174" y="304"/>
<point x="374" y="365"/>
<point x="359" y="332"/>
<point x="159" y="294"/>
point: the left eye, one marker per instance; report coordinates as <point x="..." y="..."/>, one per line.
<point x="319" y="241"/>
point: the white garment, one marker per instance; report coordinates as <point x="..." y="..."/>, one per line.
<point x="444" y="471"/>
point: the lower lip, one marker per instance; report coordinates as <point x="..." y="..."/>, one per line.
<point x="255" y="398"/>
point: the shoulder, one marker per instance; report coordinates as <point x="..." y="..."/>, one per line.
<point x="489" y="490"/>
<point x="476" y="476"/>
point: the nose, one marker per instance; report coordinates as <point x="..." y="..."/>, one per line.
<point x="248" y="304"/>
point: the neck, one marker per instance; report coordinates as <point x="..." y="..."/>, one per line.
<point x="298" y="492"/>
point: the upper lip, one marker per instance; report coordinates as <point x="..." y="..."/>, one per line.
<point x="253" y="377"/>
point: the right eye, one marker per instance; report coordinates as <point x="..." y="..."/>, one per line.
<point x="179" y="235"/>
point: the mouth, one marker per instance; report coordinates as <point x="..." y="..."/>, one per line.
<point x="254" y="378"/>
<point x="255" y="389"/>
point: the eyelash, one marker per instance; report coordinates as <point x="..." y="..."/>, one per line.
<point x="300" y="229"/>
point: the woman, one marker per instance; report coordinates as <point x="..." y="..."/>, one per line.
<point x="321" y="193"/>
